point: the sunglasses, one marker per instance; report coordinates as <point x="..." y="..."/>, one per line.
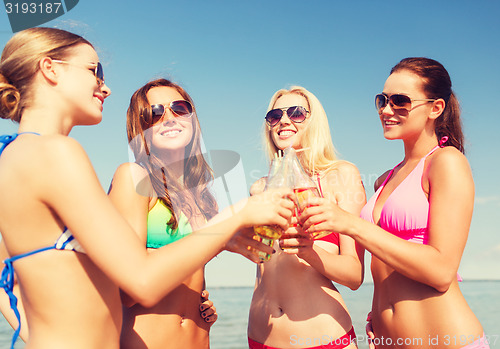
<point x="397" y="101"/>
<point x="96" y="69"/>
<point x="296" y="114"/>
<point x="178" y="108"/>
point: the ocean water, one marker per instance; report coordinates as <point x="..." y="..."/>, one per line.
<point x="232" y="303"/>
<point x="229" y="332"/>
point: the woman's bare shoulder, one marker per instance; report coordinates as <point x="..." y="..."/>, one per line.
<point x="132" y="169"/>
<point x="450" y="165"/>
<point x="133" y="175"/>
<point x="343" y="168"/>
<point x="448" y="158"/>
<point x="59" y="159"/>
<point x="341" y="173"/>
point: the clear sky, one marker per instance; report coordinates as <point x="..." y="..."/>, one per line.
<point x="231" y="56"/>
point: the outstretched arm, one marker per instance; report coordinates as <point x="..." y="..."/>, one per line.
<point x="243" y="242"/>
<point x="112" y="243"/>
<point x="451" y="200"/>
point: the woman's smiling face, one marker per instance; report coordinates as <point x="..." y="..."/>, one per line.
<point x="172" y="133"/>
<point x="286" y="132"/>
<point x="403" y="123"/>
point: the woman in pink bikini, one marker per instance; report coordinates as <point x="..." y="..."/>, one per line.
<point x="295" y="302"/>
<point x="417" y="222"/>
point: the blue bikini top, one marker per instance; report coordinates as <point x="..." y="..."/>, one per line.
<point x="66" y="241"/>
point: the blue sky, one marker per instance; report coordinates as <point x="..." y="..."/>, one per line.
<point x="231" y="56"/>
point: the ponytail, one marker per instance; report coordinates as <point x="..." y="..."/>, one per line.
<point x="449" y="124"/>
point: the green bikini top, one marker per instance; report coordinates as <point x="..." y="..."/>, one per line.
<point x="161" y="234"/>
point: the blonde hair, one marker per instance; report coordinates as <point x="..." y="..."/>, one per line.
<point x="20" y="62"/>
<point x="318" y="152"/>
<point x="197" y="171"/>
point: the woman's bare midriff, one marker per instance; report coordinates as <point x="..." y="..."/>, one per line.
<point x="294" y="305"/>
<point x="174" y="320"/>
<point x="437" y="319"/>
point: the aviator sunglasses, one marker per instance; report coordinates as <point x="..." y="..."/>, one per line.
<point x="178" y="108"/>
<point x="397" y="101"/>
<point x="96" y="69"/>
<point x="296" y="114"/>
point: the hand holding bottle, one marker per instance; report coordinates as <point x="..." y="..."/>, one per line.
<point x="303" y="186"/>
<point x="323" y="215"/>
<point x="266" y="234"/>
<point x="295" y="239"/>
<point x="245" y="244"/>
<point x="272" y="207"/>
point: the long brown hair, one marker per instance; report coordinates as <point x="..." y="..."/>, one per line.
<point x="437" y="84"/>
<point x="197" y="172"/>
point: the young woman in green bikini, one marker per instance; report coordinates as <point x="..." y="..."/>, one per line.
<point x="165" y="195"/>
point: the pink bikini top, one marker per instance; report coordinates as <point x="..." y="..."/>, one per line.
<point x="406" y="211"/>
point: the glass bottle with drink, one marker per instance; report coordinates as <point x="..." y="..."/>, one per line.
<point x="303" y="186"/>
<point x="267" y="234"/>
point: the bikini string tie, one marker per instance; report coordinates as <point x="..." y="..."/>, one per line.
<point x="7" y="283"/>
